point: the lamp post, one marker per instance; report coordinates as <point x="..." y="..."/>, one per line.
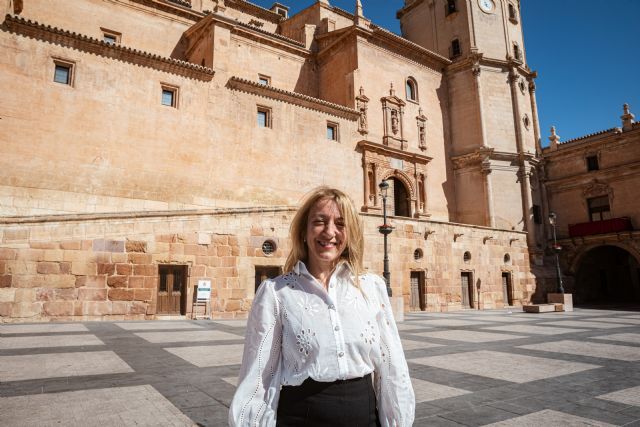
<point x="556" y="249"/>
<point x="385" y="229"/>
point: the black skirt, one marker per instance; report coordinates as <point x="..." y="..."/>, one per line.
<point x="345" y="403"/>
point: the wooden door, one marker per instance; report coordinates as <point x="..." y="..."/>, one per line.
<point x="172" y="289"/>
<point x="415" y="290"/>
<point x="264" y="272"/>
<point x="506" y="289"/>
<point x="467" y="290"/>
<point x="422" y="285"/>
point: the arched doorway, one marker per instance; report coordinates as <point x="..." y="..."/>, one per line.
<point x="400" y="198"/>
<point x="607" y="275"/>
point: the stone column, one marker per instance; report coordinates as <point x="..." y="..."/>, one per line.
<point x="367" y="185"/>
<point x="475" y="69"/>
<point x="488" y="188"/>
<point x="534" y="113"/>
<point x="375" y="180"/>
<point x="525" y="188"/>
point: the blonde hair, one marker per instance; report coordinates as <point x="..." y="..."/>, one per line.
<point x="353" y="252"/>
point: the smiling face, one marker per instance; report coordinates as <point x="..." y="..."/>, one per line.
<point x="326" y="235"/>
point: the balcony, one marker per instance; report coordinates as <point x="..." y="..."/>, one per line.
<point x="613" y="225"/>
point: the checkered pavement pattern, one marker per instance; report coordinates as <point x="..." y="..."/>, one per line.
<point x="469" y="368"/>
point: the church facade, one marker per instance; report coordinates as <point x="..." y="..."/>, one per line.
<point x="153" y="146"/>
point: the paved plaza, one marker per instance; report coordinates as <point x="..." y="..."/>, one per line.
<point x="468" y="368"/>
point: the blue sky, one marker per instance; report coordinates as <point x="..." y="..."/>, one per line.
<point x="586" y="52"/>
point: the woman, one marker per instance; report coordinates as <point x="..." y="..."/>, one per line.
<point x="317" y="334"/>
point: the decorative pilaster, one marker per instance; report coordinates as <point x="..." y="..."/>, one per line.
<point x="488" y="187"/>
<point x="421" y="121"/>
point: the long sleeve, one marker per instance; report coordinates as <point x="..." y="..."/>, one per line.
<point x="255" y="402"/>
<point x="394" y="392"/>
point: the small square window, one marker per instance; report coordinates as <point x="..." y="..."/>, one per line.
<point x="264" y="80"/>
<point x="63" y="72"/>
<point x="332" y="131"/>
<point x="169" y="96"/>
<point x="111" y="37"/>
<point x="592" y="163"/>
<point x="264" y="117"/>
<point x="62" y="75"/>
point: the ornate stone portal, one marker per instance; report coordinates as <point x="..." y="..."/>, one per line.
<point x="410" y="169"/>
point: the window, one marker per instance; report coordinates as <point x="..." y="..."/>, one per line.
<point x="264" y="117"/>
<point x="280" y="9"/>
<point x="455" y="48"/>
<point x="417" y="254"/>
<point x="169" y="96"/>
<point x="592" y="163"/>
<point x="599" y="208"/>
<point x="537" y="214"/>
<point x="268" y="247"/>
<point x="507" y="259"/>
<point x="111" y="37"/>
<point x="517" y="54"/>
<point x="466" y="257"/>
<point x="412" y="89"/>
<point x="332" y="131"/>
<point x="63" y="72"/>
<point x="264" y="80"/>
<point x="513" y="15"/>
<point x="450" y="7"/>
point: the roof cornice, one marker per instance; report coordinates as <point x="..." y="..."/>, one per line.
<point x="172" y="8"/>
<point x="177" y="8"/>
<point x="294" y="98"/>
<point x="394" y="152"/>
<point x="408" y="48"/>
<point x="389" y="41"/>
<point x="480" y="59"/>
<point x="255" y="10"/>
<point x="608" y="136"/>
<point x="407" y="8"/>
<point x="84" y="43"/>
<point x="257" y="33"/>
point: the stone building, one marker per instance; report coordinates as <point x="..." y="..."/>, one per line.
<point x="150" y="144"/>
<point x="592" y="186"/>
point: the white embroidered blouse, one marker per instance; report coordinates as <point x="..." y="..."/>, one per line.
<point x="297" y="330"/>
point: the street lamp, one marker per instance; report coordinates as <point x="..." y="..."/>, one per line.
<point x="556" y="249"/>
<point x="385" y="229"/>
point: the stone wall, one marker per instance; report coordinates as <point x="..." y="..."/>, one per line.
<point x="106" y="268"/>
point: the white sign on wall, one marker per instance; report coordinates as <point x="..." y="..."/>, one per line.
<point x="204" y="289"/>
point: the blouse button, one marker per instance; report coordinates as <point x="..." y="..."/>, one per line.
<point x="337" y="328"/>
<point x="341" y="354"/>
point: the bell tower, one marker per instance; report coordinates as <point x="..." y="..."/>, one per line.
<point x="493" y="121"/>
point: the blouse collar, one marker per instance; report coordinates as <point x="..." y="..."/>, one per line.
<point x="342" y="269"/>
